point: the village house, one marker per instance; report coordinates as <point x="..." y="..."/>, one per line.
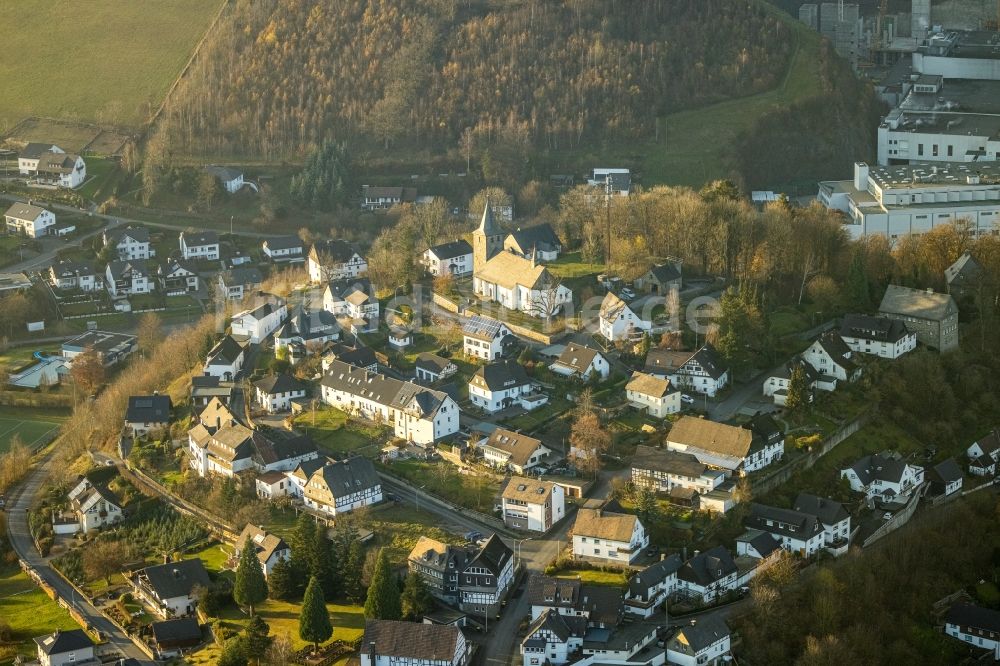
<point x="532" y="505"/>
<point x="758" y="545"/>
<point x="343" y="486"/>
<point x="708" y="575"/>
<point x="553" y="638"/>
<point x="963" y="276"/>
<point x="207" y="387"/>
<point x="884" y="476"/>
<point x="354" y="299"/>
<point x="375" y="197"/>
<point x="539" y="242"/>
<point x="72" y="646"/>
<point x="701" y="371"/>
<point x="778" y="384"/>
<point x="661" y="279"/>
<point x="81" y="275"/>
<point x="984" y="454"/>
<point x="257" y="324"/>
<point x="508" y="450"/>
<point x="51" y="165"/>
<point x="581" y="362"/>
<point x="202" y="245"/>
<point x="653" y="395"/>
<point x="418" y="414"/>
<point x="520" y="284"/>
<point x="177" y="277"/>
<point x="128" y="278"/>
<point x="649" y="588"/>
<point x="664" y="471"/>
<point x="615" y="538"/>
<point x="306" y="331"/>
<point x="613" y="181"/>
<point x="27" y="219"/>
<point x="832" y="358"/>
<point x="617" y="321"/>
<point x="171" y="589"/>
<point x="485" y="338"/>
<point x="878" y="336"/>
<point x="502" y="384"/>
<point x="475" y="579"/>
<point x="28" y="157"/>
<point x="454" y="258"/>
<point x="275" y="393"/>
<point x="171" y="637"/>
<point x="834" y="518"/>
<point x="431" y="367"/>
<point x="704" y="641"/>
<point x="932" y="317"/>
<point x="398" y="643"/>
<point x="977" y="626"/>
<point x="130" y="243"/>
<point x="599" y="606"/>
<point x="236" y="283"/>
<point x="91" y="506"/>
<point x="109" y="347"/>
<point x="146" y="413"/>
<point x="726" y="447"/>
<point x="334" y="260"/>
<point x="225" y="360"/>
<point x="230" y="178"/>
<point x="356" y="356"/>
<point x="285" y="483"/>
<point x="284" y="248"/>
<point x="270" y="549"/>
<point x="945" y="478"/>
<point x="797" y="532"/>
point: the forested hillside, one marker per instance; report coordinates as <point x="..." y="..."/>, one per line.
<point x="280" y="76"/>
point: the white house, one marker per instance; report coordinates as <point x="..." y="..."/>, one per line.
<point x="81" y="275"/>
<point x="986" y="449"/>
<point x="797" y="532"/>
<point x="539" y="241"/>
<point x="417" y="414"/>
<point x="270" y="549"/>
<point x="230" y="178"/>
<point x="649" y="588"/>
<point x="884" y="477"/>
<point x="171" y="589"/>
<point x="343" y="486"/>
<point x="582" y="362"/>
<point x="485" y="338"/>
<point x="499" y="385"/>
<point x="663" y="470"/>
<point x="945" y="478"/>
<point x="236" y="283"/>
<point x="225" y="360"/>
<point x="275" y="392"/>
<point x="334" y="260"/>
<point x="454" y="258"/>
<point x="62" y="648"/>
<point x="284" y="248"/>
<point x="778" y="384"/>
<point x="532" y="505"/>
<point x="613" y="538"/>
<point x="431" y="367"/>
<point x="615" y="181"/>
<point x="652" y="394"/>
<point x="553" y="638"/>
<point x="51" y="165"/>
<point x="723" y="446"/>
<point x="199" y="245"/>
<point x="128" y="278"/>
<point x="94" y="506"/>
<point x="830" y="356"/>
<point x="520" y="284"/>
<point x="617" y="321"/>
<point x="177" y="277"/>
<point x="708" y="575"/>
<point x="508" y="450"/>
<point x="259" y="323"/>
<point x="879" y="336"/>
<point x="701" y="371"/>
<point x="130" y="243"/>
<point x="28" y="157"/>
<point x="704" y="641"/>
<point x="834" y="518"/>
<point x="353" y="298"/>
<point x="27" y="219"/>
<point x="979" y="627"/>
<point x="376" y="197"/>
<point x="305" y="330"/>
<point x="397" y="643"/>
<point x="146" y="413"/>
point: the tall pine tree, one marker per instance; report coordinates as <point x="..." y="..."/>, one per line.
<point x="324" y="565"/>
<point x="350" y="572"/>
<point x="250" y="588"/>
<point x="280" y="584"/>
<point x="257" y="638"/>
<point x="858" y="289"/>
<point x="314" y="619"/>
<point x="416" y="599"/>
<point x="383" y="594"/>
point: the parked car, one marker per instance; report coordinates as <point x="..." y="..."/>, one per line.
<point x="473" y="536"/>
<point x="686" y="399"/>
<point x="627" y="294"/>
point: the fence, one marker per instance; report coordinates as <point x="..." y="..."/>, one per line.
<point x="898" y="520"/>
<point x="444" y="303"/>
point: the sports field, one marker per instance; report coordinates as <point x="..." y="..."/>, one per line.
<point x="31" y="428"/>
<point x="104" y="61"/>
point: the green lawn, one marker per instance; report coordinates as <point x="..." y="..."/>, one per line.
<point x="29" y="612"/>
<point x="570" y="266"/>
<point x="334" y="431"/>
<point x="117" y="59"/>
<point x="15" y="358"/>
<point x="398" y="528"/>
<point x="442" y="478"/>
<point x="29" y="425"/>
<point x="556" y="405"/>
<point x="283" y="617"/>
<point x="595" y="576"/>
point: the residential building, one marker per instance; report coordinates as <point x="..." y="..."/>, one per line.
<point x="28" y="157"/>
<point x="343" y="486"/>
<point x="539" y="242"/>
<point x="177" y="277"/>
<point x="797" y="532"/>
<point x="307" y="330"/>
<point x="508" y="450"/>
<point x="110" y="347"/>
<point x="431" y="367"/>
<point x="128" y="278"/>
<point x="284" y="248"/>
<point x="130" y="243"/>
<point x="663" y="470"/>
<point x="708" y="575"/>
<point x="983" y="466"/>
<point x="731" y="448"/>
<point x="702" y="371"/>
<point x="236" y="283"/>
<point x="454" y="258"/>
<point x="553" y="638"/>
<point x="257" y="324"/>
<point x="613" y="538"/>
<point x="777" y="385"/>
<point x="275" y="392"/>
<point x="225" y="360"/>
<point x="758" y="545"/>
<point x="383" y="198"/>
<point x="52" y="166"/>
<point x="476" y="579"/>
<point x="834" y="518"/>
<point x="984" y="454"/>
<point x="199" y="245"/>
<point x="977" y="626"/>
<point x="230" y="178"/>
<point x="598" y="606"/>
<point x="170" y="589"/>
<point x="146" y="413"/>
<point x="649" y="588"/>
<point x="945" y="478"/>
<point x="614" y="181"/>
<point x="500" y="385"/>
<point x="485" y="338"/>
<point x="964" y="276"/>
<point x="398" y="643"/>
<point x="532" y="505"/>
<point x="617" y="321"/>
<point x="896" y="201"/>
<point x="72" y="646"/>
<point x="520" y="284"/>
<point x="884" y="476"/>
<point x="357" y="356"/>
<point x="653" y="395"/>
<point x="334" y="260"/>
<point x="171" y="637"/>
<point x="581" y="362"/>
<point x="207" y="387"/>
<point x="81" y="275"/>
<point x="932" y="317"/>
<point x="355" y="299"/>
<point x="270" y="549"/>
<point x="879" y="336"/>
<point x="661" y="278"/>
<point x="704" y="641"/>
<point x="830" y="356"/>
<point x="94" y="506"/>
<point x="418" y="414"/>
<point x="27" y="219"/>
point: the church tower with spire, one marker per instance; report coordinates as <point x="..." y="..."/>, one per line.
<point x="487" y="240"/>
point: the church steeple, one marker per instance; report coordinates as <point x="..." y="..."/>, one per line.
<point x="487" y="240"/>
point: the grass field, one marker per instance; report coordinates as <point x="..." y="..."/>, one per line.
<point x="107" y="61"/>
<point x="29" y="612"/>
<point x="595" y="577"/>
<point x="28" y="424"/>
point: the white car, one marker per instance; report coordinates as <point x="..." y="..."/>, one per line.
<point x="627" y="294"/>
<point x="686" y="399"/>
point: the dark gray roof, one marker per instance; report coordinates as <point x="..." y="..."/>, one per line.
<point x="359" y="357"/>
<point x="283" y="243"/>
<point x="919" y="303"/>
<point x="501" y="374"/>
<point x="493" y="556"/>
<point x="281" y="383"/>
<point x="553" y="592"/>
<point x="482" y="328"/>
<point x="696" y="637"/>
<point x="432" y="362"/>
<point x="350" y="476"/>
<point x="967" y="615"/>
<point x="665" y="460"/>
<point x="177" y="630"/>
<point x="653" y="575"/>
<point x="224" y="173"/>
<point x="148" y="409"/>
<point x="337" y="250"/>
<point x="175" y="265"/>
<point x="708" y="567"/>
<point x="269" y="451"/>
<point x="407" y="396"/>
<point x="243" y="275"/>
<point x="225" y="352"/>
<point x="665" y="273"/>
<point x="64" y="641"/>
<point x="710" y="361"/>
<point x="119" y="269"/>
<point x="965" y="270"/>
<point x="763" y="542"/>
<point x="838" y="350"/>
<point x="828" y="511"/>
<point x="34" y="150"/>
<point x="200" y="238"/>
<point x="176" y="579"/>
<point x="138" y="234"/>
<point x="451" y="250"/>
<point x="66" y="268"/>
<point x="786" y="522"/>
<point x="947" y="471"/>
<point x="410" y="640"/>
<point x="879" y="466"/>
<point x="540" y="237"/>
<point x="878" y="329"/>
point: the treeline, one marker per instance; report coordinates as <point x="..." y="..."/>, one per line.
<point x="277" y="78"/>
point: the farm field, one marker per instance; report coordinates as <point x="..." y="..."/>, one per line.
<point x="115" y="60"/>
<point x="29" y="612"/>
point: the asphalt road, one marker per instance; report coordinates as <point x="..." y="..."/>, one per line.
<point x="20" y="539"/>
